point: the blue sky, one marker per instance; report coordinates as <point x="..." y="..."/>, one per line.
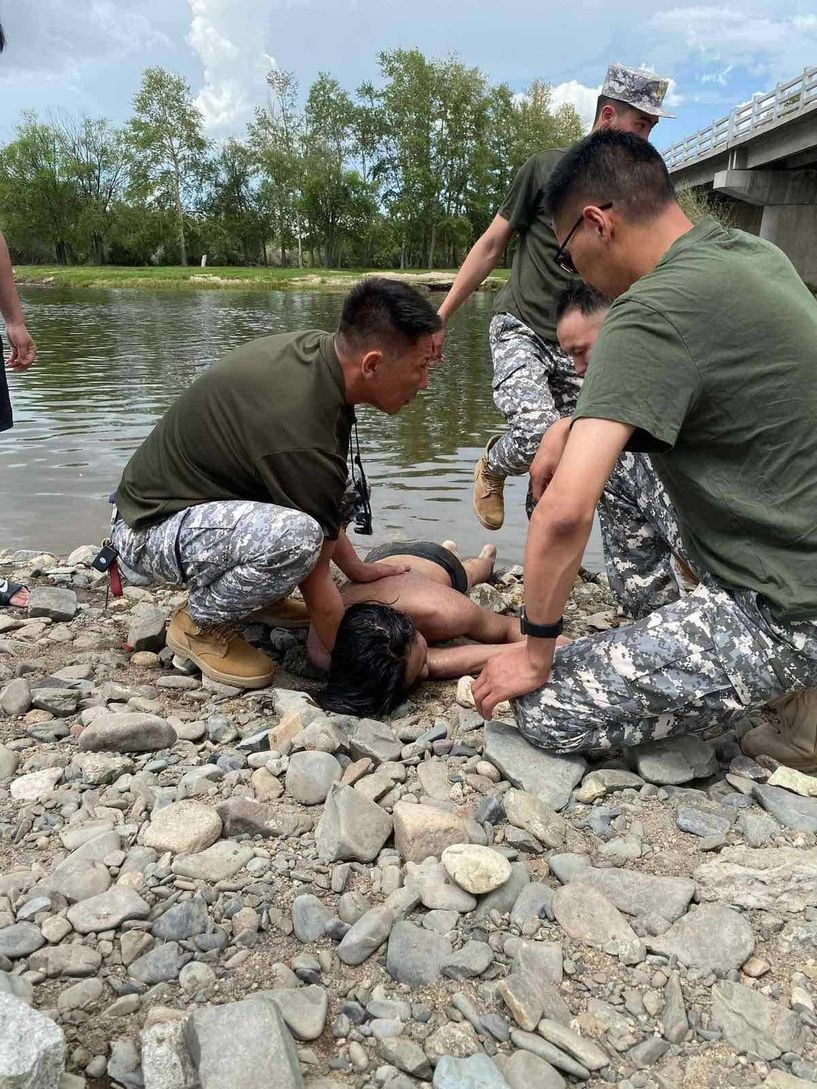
<point x="86" y="56"/>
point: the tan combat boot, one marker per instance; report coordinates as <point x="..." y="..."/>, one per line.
<point x="790" y="733"/>
<point x="287" y="612"/>
<point x="219" y="652"/>
<point x="489" y="487"/>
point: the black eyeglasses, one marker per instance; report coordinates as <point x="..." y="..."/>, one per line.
<point x="562" y="257"/>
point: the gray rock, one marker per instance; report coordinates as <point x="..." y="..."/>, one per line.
<point x="588" y="916"/>
<point x="183" y="827"/>
<point x="435" y="889"/>
<point x="551" y="778"/>
<point x="59" y="701"/>
<point x="244" y="815"/>
<point x="78" y="879"/>
<point x="224" y="859"/>
<point x="757" y="826"/>
<point x="17" y="986"/>
<point x="375" y="740"/>
<point x="631" y="891"/>
<point x="303" y="1009"/>
<point x="423" y="831"/>
<point x="475" y="868"/>
<point x="9" y="762"/>
<point x="261" y="1053"/>
<point x="55" y="602"/>
<point x="474" y="1072"/>
<point x="147" y="628"/>
<point x="366" y="935"/>
<point x="123" y="1064"/>
<point x="790" y="809"/>
<point x="433" y="776"/>
<point x="768" y="879"/>
<point x="108" y="910"/>
<point x="647" y="1052"/>
<point x="131" y="731"/>
<point x="15" y="699"/>
<point x="97" y="769"/>
<point x="524" y="1070"/>
<point x="166" y="1063"/>
<point x="713" y="938"/>
<point x="160" y="964"/>
<point x="181" y="921"/>
<point x="675" y="1023"/>
<point x="310" y="776"/>
<point x="351" y="906"/>
<point x="66" y="960"/>
<point x="32" y="1047"/>
<point x="309" y="917"/>
<point x="675" y="760"/>
<point x="35" y="786"/>
<point x="504" y="898"/>
<point x="488" y="597"/>
<point x="406" y="1055"/>
<point x="755" y="1024"/>
<point x="799" y="938"/>
<point x="589" y="1054"/>
<point x="699" y="822"/>
<point x="81" y="995"/>
<point x="416" y="956"/>
<point x="535" y="901"/>
<point x="470" y="961"/>
<point x="550" y="1053"/>
<point x="520" y="993"/>
<point x="530" y="813"/>
<point x="20" y="940"/>
<point x="602" y="781"/>
<point x="452" y="1040"/>
<point x="543" y="961"/>
<point x="351" y="827"/>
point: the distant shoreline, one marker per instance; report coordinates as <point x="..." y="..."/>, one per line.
<point x="178" y="278"/>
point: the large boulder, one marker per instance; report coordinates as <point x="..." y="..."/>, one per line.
<point x="32" y="1047"/>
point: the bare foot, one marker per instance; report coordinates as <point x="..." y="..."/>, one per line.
<point x="20" y="599"/>
<point x="451" y="546"/>
<point x="488" y="552"/>
<point x="563" y="641"/>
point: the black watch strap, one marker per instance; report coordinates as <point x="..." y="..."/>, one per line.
<point x="541" y="631"/>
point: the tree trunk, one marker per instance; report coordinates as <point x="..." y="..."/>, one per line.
<point x="431" y="245"/>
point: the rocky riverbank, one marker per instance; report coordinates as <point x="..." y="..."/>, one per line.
<point x="204" y="888"/>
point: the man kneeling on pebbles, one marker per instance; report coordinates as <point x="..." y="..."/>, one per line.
<point x="707" y="360"/>
<point x="238" y="490"/>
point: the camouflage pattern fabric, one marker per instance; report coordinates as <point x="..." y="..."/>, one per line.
<point x="703" y="661"/>
<point x="637" y="87"/>
<point x="535" y="384"/>
<point x="235" y="556"/>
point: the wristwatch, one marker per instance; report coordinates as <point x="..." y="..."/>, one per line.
<point x="540" y="631"/>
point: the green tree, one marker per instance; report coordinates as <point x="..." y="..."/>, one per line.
<point x="95" y="158"/>
<point x="234" y="204"/>
<point x="168" y="146"/>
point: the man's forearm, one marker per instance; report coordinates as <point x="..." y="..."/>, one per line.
<point x="9" y="300"/>
<point x="345" y="556"/>
<point x="482" y="259"/>
<point x="323" y="598"/>
<point x="447" y="663"/>
<point x="553" y="556"/>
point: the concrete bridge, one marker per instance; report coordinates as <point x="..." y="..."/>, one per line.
<point x="762" y="159"/>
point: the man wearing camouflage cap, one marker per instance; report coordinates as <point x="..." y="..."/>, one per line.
<point x="534" y="381"/>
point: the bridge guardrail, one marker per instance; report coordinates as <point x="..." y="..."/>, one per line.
<point x="789" y="98"/>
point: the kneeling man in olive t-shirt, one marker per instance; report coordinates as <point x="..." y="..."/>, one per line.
<point x="238" y="491"/>
<point x="707" y="360"/>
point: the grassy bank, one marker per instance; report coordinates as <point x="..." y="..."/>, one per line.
<point x="174" y="277"/>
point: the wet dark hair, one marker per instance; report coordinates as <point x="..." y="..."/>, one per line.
<point x="582" y="297"/>
<point x="610" y="166"/>
<point x="379" y="309"/>
<point x="367" y="674"/>
<point x="2" y="39"/>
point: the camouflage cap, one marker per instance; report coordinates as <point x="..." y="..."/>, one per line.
<point x="640" y="89"/>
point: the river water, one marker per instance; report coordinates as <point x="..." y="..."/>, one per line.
<point x="111" y="361"/>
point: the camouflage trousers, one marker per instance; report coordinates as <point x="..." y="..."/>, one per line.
<point x="235" y="556"/>
<point x="702" y="662"/>
<point x="534" y="384"/>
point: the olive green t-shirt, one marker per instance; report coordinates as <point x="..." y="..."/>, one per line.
<point x="536" y="280"/>
<point x="712" y="356"/>
<point x="268" y="423"/>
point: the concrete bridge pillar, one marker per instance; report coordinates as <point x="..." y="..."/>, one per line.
<point x="789" y="201"/>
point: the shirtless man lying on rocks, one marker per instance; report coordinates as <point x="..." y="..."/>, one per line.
<point x="382" y="645"/>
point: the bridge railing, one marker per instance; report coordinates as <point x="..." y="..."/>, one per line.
<point x="789" y="98"/>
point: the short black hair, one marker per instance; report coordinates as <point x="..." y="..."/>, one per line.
<point x="367" y="674"/>
<point x="2" y="39"/>
<point x="611" y="166"/>
<point x="382" y="309"/>
<point x="582" y="297"/>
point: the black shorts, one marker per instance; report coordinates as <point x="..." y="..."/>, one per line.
<point x="5" y="401"/>
<point x="425" y="550"/>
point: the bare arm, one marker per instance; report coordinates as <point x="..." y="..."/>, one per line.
<point x="448" y="663"/>
<point x="323" y="598"/>
<point x="23" y="349"/>
<point x="355" y="569"/>
<point x="557" y="537"/>
<point x="483" y="257"/>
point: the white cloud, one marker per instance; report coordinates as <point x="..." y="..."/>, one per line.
<point x="578" y="95"/>
<point x="230" y="42"/>
<point x="54" y="39"/>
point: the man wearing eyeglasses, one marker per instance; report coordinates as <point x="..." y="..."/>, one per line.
<point x="534" y="381"/>
<point x="707" y="361"/>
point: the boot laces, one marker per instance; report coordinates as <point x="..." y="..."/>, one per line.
<point x="786" y="713"/>
<point x="493" y="483"/>
<point x="222" y="633"/>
